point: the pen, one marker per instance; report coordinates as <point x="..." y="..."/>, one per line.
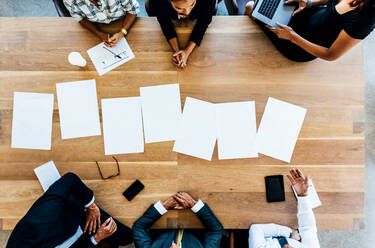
<point x="116" y="55"/>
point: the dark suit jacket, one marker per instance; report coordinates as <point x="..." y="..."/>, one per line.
<point x="54" y="217"/>
<point x="212" y="237"/>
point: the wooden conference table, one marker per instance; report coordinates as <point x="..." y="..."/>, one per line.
<point x="236" y="62"/>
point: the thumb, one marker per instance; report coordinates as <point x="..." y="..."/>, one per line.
<point x="297" y="10"/>
<point x="307" y="178"/>
<point x="107" y="221"/>
<point x="177" y="53"/>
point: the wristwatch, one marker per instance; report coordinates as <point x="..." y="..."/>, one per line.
<point x="124" y="31"/>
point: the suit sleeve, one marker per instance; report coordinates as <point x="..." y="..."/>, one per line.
<point x="84" y="241"/>
<point x="203" y="21"/>
<point x="214" y="228"/>
<point x="141" y="234"/>
<point x="70" y="185"/>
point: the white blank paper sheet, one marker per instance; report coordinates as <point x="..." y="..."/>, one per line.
<point x="78" y="109"/>
<point x="32" y="120"/>
<point x="47" y="174"/>
<point x="161" y="109"/>
<point x="122" y="125"/>
<point x="197" y="132"/>
<point x="279" y="129"/>
<point x="236" y="130"/>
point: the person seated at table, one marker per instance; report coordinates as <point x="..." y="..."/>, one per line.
<point x="166" y="10"/>
<point x="90" y="12"/>
<point x="178" y="238"/>
<point x="273" y="235"/>
<point x="67" y="216"/>
<point x="324" y="29"/>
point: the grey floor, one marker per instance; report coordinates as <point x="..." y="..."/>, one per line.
<point x="329" y="239"/>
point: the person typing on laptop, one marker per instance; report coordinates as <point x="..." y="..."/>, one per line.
<point x="67" y="216"/>
<point x="277" y="236"/>
<point x="324" y="29"/>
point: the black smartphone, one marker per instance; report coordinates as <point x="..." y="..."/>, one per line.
<point x="275" y="188"/>
<point x="133" y="190"/>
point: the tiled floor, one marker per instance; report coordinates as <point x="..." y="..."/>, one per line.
<point x="329" y="239"/>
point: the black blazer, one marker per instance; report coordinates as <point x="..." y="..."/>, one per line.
<point x="213" y="233"/>
<point x="54" y="217"/>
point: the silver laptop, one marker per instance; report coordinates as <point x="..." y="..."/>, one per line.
<point x="272" y="11"/>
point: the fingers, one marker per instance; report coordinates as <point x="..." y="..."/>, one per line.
<point x="294" y="174"/>
<point x="90" y="227"/>
<point x="87" y="225"/>
<point x="107" y="221"/>
<point x="177" y="53"/>
<point x="280" y="25"/>
<point x="99" y="221"/>
<point x="94" y="226"/>
<point x="300" y="173"/>
<point x="291" y="179"/>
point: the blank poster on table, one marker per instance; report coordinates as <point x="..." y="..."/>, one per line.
<point x="122" y="125"/>
<point x="78" y="109"/>
<point x="279" y="129"/>
<point x="32" y="120"/>
<point x="47" y="174"/>
<point x="236" y="130"/>
<point x="196" y="134"/>
<point x="161" y="110"/>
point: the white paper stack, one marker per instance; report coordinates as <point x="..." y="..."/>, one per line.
<point x="107" y="58"/>
<point x="312" y="194"/>
<point x="236" y="130"/>
<point x="32" y="120"/>
<point x="196" y="134"/>
<point x="78" y="109"/>
<point x="279" y="129"/>
<point x="47" y="174"/>
<point x="161" y="109"/>
<point x="122" y="125"/>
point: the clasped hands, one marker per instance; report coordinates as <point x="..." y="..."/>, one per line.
<point x="111" y="41"/>
<point x="179" y="201"/>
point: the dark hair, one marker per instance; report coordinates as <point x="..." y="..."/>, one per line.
<point x="363" y="5"/>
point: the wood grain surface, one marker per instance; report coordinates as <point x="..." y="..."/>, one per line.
<point x="236" y="62"/>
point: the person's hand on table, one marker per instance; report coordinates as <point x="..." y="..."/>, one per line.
<point x="283" y="32"/>
<point x="108" y="228"/>
<point x="185" y="200"/>
<point x="295" y="235"/>
<point x="172" y="204"/>
<point x="115" y="38"/>
<point x="92" y="218"/>
<point x="105" y="38"/>
<point x="299" y="182"/>
<point x="180" y="58"/>
<point x="302" y="4"/>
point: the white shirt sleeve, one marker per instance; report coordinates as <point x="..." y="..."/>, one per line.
<point x="91" y="202"/>
<point x="160" y="208"/>
<point x="259" y="232"/>
<point x="307" y="223"/>
<point x="198" y="206"/>
<point x="93" y="240"/>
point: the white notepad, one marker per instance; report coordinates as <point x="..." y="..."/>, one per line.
<point x="279" y="129"/>
<point x="161" y="109"/>
<point x="236" y="130"/>
<point x="47" y="174"/>
<point x="107" y="58"/>
<point x="196" y="134"/>
<point x="32" y="120"/>
<point x="122" y="125"/>
<point x="78" y="109"/>
<point x="312" y="194"/>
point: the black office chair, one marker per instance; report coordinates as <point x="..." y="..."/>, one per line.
<point x="147" y="4"/>
<point x="61" y="9"/>
<point x="236" y="7"/>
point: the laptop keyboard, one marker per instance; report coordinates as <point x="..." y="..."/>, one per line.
<point x="268" y="8"/>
